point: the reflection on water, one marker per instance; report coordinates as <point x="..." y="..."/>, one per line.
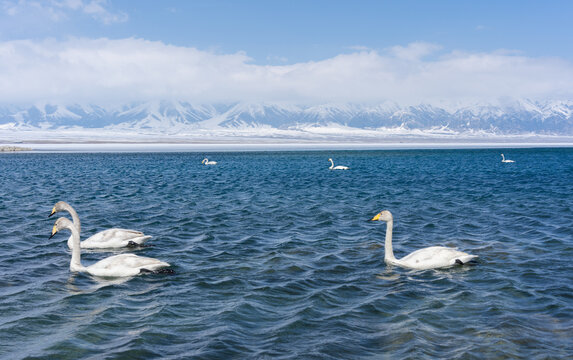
<point x="77" y="287"/>
<point x="388" y="274"/>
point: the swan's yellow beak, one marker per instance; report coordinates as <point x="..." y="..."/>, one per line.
<point x="53" y="211"/>
<point x="376" y="218"/>
<point x="54" y="231"/>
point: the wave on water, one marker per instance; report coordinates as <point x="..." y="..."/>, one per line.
<point x="274" y="256"/>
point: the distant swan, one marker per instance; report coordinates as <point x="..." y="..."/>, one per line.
<point x="339" y="167"/>
<point x="504" y="160"/>
<point x="207" y="162"/>
<point x="113" y="266"/>
<point x="107" y="239"/>
<point x="427" y="258"/>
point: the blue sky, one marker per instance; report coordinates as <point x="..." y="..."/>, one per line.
<point x="293" y="51"/>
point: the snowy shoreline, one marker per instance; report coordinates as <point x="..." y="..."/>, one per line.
<point x="328" y="138"/>
<point x="269" y="145"/>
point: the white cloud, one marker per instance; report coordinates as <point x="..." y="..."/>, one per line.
<point x="414" y="51"/>
<point x="98" y="10"/>
<point x="59" y="10"/>
<point x="105" y="71"/>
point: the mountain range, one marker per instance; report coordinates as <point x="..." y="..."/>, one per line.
<point x="512" y="117"/>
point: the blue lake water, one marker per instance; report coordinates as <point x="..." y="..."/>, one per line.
<point x="275" y="257"/>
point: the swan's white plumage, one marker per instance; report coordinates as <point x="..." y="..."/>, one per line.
<point x="432" y="257"/>
<point x="207" y="162"/>
<point x="107" y="239"/>
<point x="113" y="238"/>
<point x="504" y="160"/>
<point x="124" y="265"/>
<point x="339" y="167"/>
<point x="114" y="266"/>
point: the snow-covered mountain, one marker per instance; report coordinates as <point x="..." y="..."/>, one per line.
<point x="171" y="117"/>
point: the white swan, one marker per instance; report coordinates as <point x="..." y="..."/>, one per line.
<point x="427" y="258"/>
<point x="504" y="160"/>
<point x="207" y="162"/>
<point x="113" y="266"/>
<point x="339" y="167"/>
<point x="107" y="239"/>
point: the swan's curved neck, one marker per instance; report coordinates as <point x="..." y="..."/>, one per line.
<point x="332" y="162"/>
<point x="502" y="157"/>
<point x="76" y="221"/>
<point x="388" y="252"/>
<point x="75" y="218"/>
<point x="76" y="263"/>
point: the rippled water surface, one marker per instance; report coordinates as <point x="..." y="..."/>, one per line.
<point x="275" y="257"/>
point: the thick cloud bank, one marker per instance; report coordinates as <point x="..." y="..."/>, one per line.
<point x="108" y="71"/>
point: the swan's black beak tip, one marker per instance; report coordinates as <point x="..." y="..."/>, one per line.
<point x="51" y="236"/>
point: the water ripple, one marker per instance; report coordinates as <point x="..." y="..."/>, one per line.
<point x="275" y="258"/>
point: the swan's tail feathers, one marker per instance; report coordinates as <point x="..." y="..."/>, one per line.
<point x="464" y="259"/>
<point x="138" y="242"/>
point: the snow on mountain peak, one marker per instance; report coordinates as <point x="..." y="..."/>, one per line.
<point x="507" y="116"/>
